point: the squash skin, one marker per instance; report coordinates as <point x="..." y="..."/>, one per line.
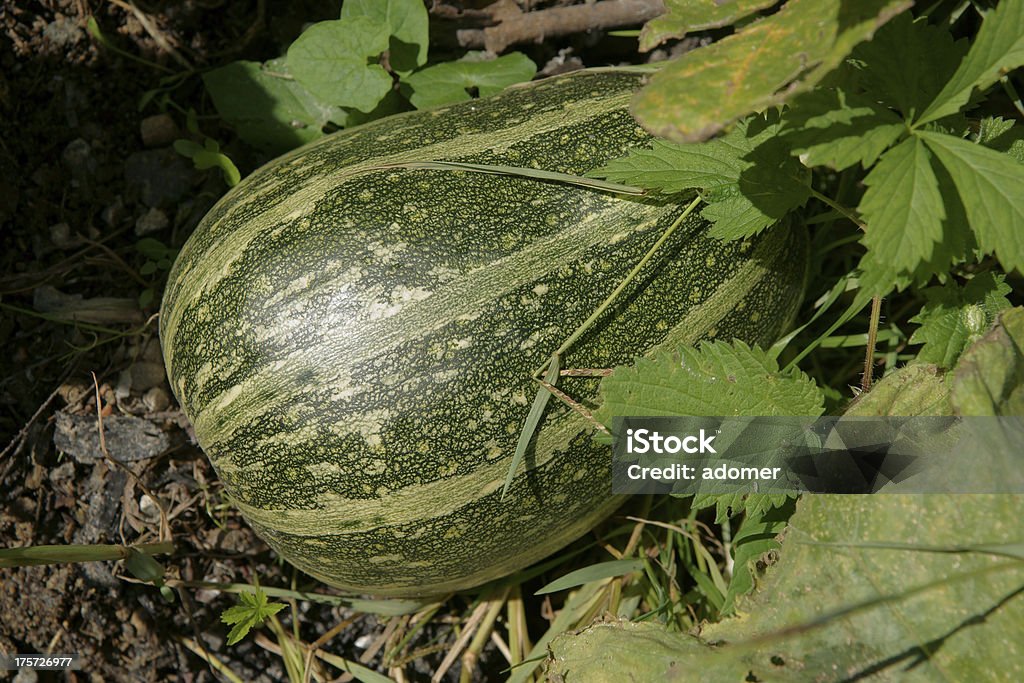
<point x="353" y="344"/>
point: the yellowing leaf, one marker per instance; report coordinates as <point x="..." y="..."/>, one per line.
<point x="686" y="16"/>
<point x="700" y="93"/>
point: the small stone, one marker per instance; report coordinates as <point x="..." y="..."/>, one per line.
<point x="78" y="159"/>
<point x="149" y="509"/>
<point x="63" y="32"/>
<point x="152" y="221"/>
<point x="113" y="214"/>
<point x="156" y="400"/>
<point x="146" y="375"/>
<point x="60" y="235"/>
<point x="158" y="130"/>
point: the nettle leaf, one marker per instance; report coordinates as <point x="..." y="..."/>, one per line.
<point x="686" y="16"/>
<point x="747" y="177"/>
<point x="908" y="62"/>
<point x="997" y="49"/>
<point x="406" y="23"/>
<point x="1002" y="135"/>
<point x="268" y="108"/>
<point x="716" y="379"/>
<point x="989" y="186"/>
<point x="955" y="316"/>
<point x="902" y="207"/>
<point x="989" y="379"/>
<point x="767" y="63"/>
<point x="916" y="389"/>
<point x="253" y="609"/>
<point x="330" y="59"/>
<point x="451" y="82"/>
<point x="828" y="127"/>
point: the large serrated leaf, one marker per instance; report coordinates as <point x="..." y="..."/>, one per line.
<point x="902" y="207"/>
<point x="718" y="379"/>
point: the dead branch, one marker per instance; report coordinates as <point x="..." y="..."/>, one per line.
<point x="515" y="26"/>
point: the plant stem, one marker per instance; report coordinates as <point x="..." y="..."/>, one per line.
<point x="838" y="207"/>
<point x="869" y="353"/>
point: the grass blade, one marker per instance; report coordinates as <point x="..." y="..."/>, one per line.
<point x="535" y="173"/>
<point x="595" y="572"/>
<point x="532" y="420"/>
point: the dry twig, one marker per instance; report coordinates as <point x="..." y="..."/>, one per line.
<point x="515" y="26"/>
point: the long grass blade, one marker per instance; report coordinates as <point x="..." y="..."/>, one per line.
<point x="532" y="420"/>
<point x="535" y="173"/>
<point x="595" y="572"/>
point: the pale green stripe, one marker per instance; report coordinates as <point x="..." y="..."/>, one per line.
<point x="202" y="274"/>
<point x="711" y="311"/>
<point x="411" y="504"/>
<point x="366" y="340"/>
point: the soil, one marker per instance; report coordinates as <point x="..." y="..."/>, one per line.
<point x="87" y="171"/>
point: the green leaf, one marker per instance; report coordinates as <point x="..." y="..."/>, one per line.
<point x="253" y="609"/>
<point x="907" y="62"/>
<point x="406" y="24"/>
<point x="594" y="572"/>
<point x="450" y="82"/>
<point x="916" y="389"/>
<point x="718" y="379"/>
<point x="902" y="207"/>
<point x="855" y="611"/>
<point x="989" y="185"/>
<point x="989" y="379"/>
<point x="954" y="317"/>
<point x="268" y="108"/>
<point x="1002" y="135"/>
<point x="756" y="537"/>
<point x="765" y="64"/>
<point x="829" y="127"/>
<point x="686" y="16"/>
<point x="330" y="60"/>
<point x="747" y="177"/>
<point x="997" y="49"/>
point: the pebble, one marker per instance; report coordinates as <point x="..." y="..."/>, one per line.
<point x="63" y="32"/>
<point x="60" y="235"/>
<point x="113" y="213"/>
<point x="78" y="159"/>
<point x="156" y="400"/>
<point x="146" y="375"/>
<point x="152" y="221"/>
<point x="158" y="130"/>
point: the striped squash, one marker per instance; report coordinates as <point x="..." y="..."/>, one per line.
<point x="353" y="342"/>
